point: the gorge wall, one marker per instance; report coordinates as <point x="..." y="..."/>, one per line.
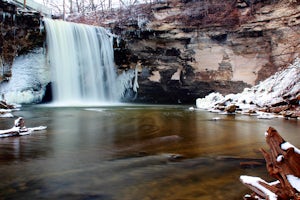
<point x="19" y="33"/>
<point x="182" y="49"/>
<point x="185" y="49"/>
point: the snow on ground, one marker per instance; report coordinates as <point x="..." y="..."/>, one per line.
<point x="274" y="90"/>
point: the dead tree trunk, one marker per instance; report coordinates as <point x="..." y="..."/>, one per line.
<point x="283" y="164"/>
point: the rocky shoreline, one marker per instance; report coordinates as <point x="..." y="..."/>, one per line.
<point x="277" y="96"/>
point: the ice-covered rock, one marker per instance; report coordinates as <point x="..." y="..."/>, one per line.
<point x="209" y="101"/>
<point x="283" y="88"/>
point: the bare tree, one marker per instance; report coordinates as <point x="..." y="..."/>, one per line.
<point x="92" y="5"/>
<point x="64" y="9"/>
<point x="71" y="6"/>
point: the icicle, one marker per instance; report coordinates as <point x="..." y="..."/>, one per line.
<point x="118" y="41"/>
<point x="42" y="28"/>
<point x="124" y="81"/>
<point x="135" y="83"/>
<point x="3" y="17"/>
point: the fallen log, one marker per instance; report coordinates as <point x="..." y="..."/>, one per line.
<point x="20" y="129"/>
<point x="5" y="105"/>
<point x="283" y="164"/>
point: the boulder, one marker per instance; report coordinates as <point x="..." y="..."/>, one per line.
<point x="231" y="108"/>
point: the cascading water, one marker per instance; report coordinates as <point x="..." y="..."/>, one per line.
<point x="82" y="67"/>
<point x="82" y="63"/>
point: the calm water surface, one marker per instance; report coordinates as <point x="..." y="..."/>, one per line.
<point x="132" y="153"/>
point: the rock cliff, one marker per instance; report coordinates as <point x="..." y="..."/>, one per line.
<point x="20" y="33"/>
<point x="185" y="49"/>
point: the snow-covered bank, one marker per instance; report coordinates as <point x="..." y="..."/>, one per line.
<point x="279" y="94"/>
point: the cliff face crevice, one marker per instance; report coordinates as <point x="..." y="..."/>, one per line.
<point x="191" y="48"/>
<point x="19" y="33"/>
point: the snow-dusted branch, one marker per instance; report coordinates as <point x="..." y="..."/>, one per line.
<point x="20" y="129"/>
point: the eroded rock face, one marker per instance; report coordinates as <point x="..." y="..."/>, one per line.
<point x="184" y="49"/>
<point x="20" y="33"/>
<point x="188" y="49"/>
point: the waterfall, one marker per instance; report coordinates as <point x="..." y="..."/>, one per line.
<point x="82" y="63"/>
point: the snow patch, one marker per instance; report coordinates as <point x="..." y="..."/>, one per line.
<point x="254" y="181"/>
<point x="266" y="134"/>
<point x="6" y="115"/>
<point x="209" y="101"/>
<point x="279" y="158"/>
<point x="191" y="108"/>
<point x="294" y="181"/>
<point x="286" y="145"/>
<point x="262" y="115"/>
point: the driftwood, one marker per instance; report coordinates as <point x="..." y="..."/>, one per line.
<point x="19" y="129"/>
<point x="283" y="164"/>
<point x="5" y="105"/>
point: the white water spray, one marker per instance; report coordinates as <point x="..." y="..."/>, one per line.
<point x="82" y="63"/>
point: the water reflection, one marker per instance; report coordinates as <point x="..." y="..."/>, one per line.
<point x="126" y="153"/>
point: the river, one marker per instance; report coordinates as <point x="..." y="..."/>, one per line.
<point x="133" y="152"/>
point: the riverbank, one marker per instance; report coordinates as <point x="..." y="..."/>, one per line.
<point x="277" y="96"/>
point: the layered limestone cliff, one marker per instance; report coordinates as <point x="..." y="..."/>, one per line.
<point x="182" y="49"/>
<point x="185" y="49"/>
<point x="20" y="32"/>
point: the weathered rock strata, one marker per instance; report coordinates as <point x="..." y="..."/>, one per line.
<point x="183" y="49"/>
<point x="20" y="33"/>
<point x="187" y="47"/>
